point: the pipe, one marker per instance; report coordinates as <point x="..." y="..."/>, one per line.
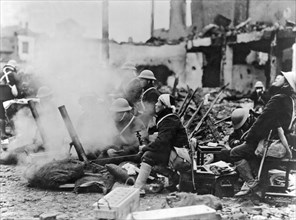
<point x="74" y="137"/>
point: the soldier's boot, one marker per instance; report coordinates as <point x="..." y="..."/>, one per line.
<point x="141" y="180"/>
<point x="172" y="176"/>
<point x="245" y="172"/>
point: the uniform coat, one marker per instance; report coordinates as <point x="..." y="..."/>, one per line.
<point x="171" y="133"/>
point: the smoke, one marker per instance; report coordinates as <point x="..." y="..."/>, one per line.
<point x="70" y="66"/>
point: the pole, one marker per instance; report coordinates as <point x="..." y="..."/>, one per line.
<point x="152" y="19"/>
<point x="32" y="106"/>
<point x="74" y="137"/>
<point x="105" y="31"/>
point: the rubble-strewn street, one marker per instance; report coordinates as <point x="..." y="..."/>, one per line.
<point x="18" y="202"/>
<point x="148" y="110"/>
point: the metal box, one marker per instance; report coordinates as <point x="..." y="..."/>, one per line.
<point x="118" y="203"/>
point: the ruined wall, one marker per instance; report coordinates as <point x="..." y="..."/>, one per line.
<point x="172" y="56"/>
<point x="274" y="10"/>
<point x="203" y="12"/>
<point x="194" y="63"/>
<point x="245" y="76"/>
<point x="177" y="19"/>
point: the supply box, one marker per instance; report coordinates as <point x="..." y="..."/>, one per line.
<point x="197" y="212"/>
<point x="118" y="203"/>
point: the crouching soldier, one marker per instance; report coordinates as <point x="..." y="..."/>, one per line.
<point x="242" y="119"/>
<point x="131" y="130"/>
<point x="171" y="133"/>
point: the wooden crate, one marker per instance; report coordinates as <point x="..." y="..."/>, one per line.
<point x="197" y="212"/>
<point x="118" y="203"/>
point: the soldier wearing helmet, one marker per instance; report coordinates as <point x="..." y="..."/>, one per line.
<point x="8" y="90"/>
<point x="259" y="96"/>
<point x="277" y="116"/>
<point x="149" y="96"/>
<point x="131" y="130"/>
<point x="242" y="119"/>
<point x="130" y="87"/>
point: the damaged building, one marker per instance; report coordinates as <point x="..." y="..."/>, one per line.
<point x="228" y="42"/>
<point x="225" y="42"/>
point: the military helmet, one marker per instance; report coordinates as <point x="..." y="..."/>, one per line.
<point x="120" y="105"/>
<point x="259" y="84"/>
<point x="239" y="117"/>
<point x="291" y="78"/>
<point x="147" y="74"/>
<point x="128" y="66"/>
<point x="43" y="92"/>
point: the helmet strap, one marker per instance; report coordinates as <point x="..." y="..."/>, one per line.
<point x="123" y="116"/>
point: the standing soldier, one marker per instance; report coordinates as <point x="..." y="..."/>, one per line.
<point x="8" y="91"/>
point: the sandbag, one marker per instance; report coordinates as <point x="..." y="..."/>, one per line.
<point x="56" y="173"/>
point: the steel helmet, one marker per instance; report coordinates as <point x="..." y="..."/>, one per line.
<point x="291" y="78"/>
<point x="11" y="65"/>
<point x="120" y="105"/>
<point x="259" y="84"/>
<point x="147" y="74"/>
<point x="128" y="66"/>
<point x="43" y="92"/>
<point x="239" y="117"/>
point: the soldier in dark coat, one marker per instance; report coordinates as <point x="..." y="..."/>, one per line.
<point x="242" y="119"/>
<point x="8" y="90"/>
<point x="171" y="133"/>
<point x="278" y="112"/>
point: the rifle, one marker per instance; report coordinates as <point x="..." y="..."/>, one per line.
<point x="176" y="82"/>
<point x="136" y="158"/>
<point x="223" y="119"/>
<point x="74" y="137"/>
<point x="206" y="114"/>
<point x="192" y="143"/>
<point x="183" y="103"/>
<point x="194" y="114"/>
<point x="187" y="104"/>
<point x="266" y="146"/>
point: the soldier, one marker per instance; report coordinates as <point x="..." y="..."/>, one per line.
<point x="149" y="96"/>
<point x="278" y="113"/>
<point x="259" y="96"/>
<point x="8" y="91"/>
<point x="171" y="133"/>
<point x="131" y="130"/>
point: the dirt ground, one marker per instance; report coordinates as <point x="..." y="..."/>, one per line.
<point x="18" y="201"/>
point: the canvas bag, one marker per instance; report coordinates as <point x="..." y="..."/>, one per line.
<point x="276" y="149"/>
<point x="179" y="159"/>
